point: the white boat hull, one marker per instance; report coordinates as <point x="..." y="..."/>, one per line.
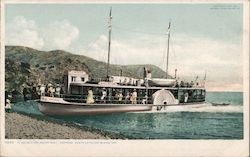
<point x="57" y="106"/>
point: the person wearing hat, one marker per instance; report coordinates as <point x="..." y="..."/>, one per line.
<point x="120" y="96"/>
<point x="48" y="89"/>
<point x="7" y="105"/>
<point x="104" y="94"/>
<point x="42" y="90"/>
<point x="51" y="90"/>
<point x="58" y="90"/>
<point x="25" y="92"/>
<point x="127" y="97"/>
<point x="134" y="97"/>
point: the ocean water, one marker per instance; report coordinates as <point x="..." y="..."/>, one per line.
<point x="182" y="122"/>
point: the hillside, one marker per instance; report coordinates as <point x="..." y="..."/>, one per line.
<point x="25" y="65"/>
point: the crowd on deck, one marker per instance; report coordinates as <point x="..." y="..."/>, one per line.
<point x="41" y="90"/>
<point x="33" y="92"/>
<point x="36" y="91"/>
<point x="117" y="97"/>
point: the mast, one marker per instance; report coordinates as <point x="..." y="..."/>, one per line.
<point x="109" y="26"/>
<point x="168" y="33"/>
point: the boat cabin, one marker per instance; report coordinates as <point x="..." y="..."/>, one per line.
<point x="117" y="92"/>
<point x="74" y="77"/>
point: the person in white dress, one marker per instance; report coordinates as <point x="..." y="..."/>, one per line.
<point x="104" y="95"/>
<point x="134" y="97"/>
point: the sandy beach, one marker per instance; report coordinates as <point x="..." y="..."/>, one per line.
<point x="18" y="126"/>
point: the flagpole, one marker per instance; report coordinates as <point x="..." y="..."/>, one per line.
<point x="168" y="48"/>
<point x="205" y="77"/>
<point x="109" y="26"/>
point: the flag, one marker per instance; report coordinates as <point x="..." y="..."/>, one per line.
<point x="196" y="78"/>
<point x="168" y="31"/>
<point x="169" y="25"/>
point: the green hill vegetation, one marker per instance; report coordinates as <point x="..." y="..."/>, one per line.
<point x="27" y="66"/>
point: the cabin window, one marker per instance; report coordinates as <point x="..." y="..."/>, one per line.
<point x="84" y="91"/>
<point x="73" y="79"/>
<point x="175" y="93"/>
<point x="75" y="90"/>
<point x="203" y="92"/>
<point x="199" y="92"/>
<point x="83" y="79"/>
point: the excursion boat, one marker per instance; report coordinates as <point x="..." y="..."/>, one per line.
<point x="116" y="94"/>
<point x="107" y="99"/>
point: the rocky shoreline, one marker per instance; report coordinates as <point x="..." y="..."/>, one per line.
<point x="19" y="126"/>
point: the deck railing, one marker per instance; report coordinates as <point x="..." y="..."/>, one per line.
<point x="107" y="99"/>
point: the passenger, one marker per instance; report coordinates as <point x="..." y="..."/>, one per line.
<point x="191" y="84"/>
<point x="104" y="95"/>
<point x="144" y="100"/>
<point x="47" y="89"/>
<point x="62" y="91"/>
<point x="7" y="105"/>
<point x="34" y="93"/>
<point x="125" y="81"/>
<point x="51" y="90"/>
<point x="182" y="84"/>
<point x="38" y="90"/>
<point x="14" y="94"/>
<point x="134" y="97"/>
<point x="176" y="84"/>
<point x="127" y="98"/>
<point x="25" y="92"/>
<point x="57" y="90"/>
<point x="130" y="81"/>
<point x="186" y="97"/>
<point x="90" y="99"/>
<point x="120" y="96"/>
<point x="42" y="90"/>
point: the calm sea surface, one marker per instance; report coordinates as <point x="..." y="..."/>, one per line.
<point x="182" y="122"/>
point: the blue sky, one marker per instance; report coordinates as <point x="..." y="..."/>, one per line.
<point x="204" y="37"/>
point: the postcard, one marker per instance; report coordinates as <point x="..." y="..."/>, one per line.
<point x="107" y="78"/>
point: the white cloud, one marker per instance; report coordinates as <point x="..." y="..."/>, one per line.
<point x="21" y="31"/>
<point x="191" y="55"/>
<point x="122" y="52"/>
<point x="59" y="34"/>
<point x="55" y="35"/>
